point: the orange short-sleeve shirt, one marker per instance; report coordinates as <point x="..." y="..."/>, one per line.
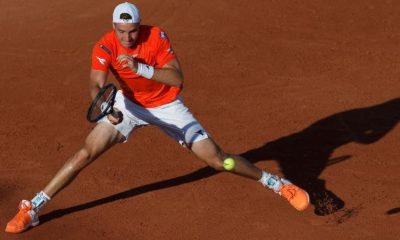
<point x="152" y="48"/>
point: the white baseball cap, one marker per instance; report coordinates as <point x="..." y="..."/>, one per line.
<point x="127" y="8"/>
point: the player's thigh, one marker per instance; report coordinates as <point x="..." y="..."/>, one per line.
<point x="101" y="138"/>
<point x="177" y="121"/>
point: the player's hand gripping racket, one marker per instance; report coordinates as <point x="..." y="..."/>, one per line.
<point x="103" y="103"/>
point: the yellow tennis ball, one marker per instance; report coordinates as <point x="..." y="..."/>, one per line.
<point x="229" y="164"/>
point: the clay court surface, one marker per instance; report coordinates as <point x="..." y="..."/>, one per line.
<point x="305" y="89"/>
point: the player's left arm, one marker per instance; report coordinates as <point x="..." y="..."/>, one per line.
<point x="170" y="73"/>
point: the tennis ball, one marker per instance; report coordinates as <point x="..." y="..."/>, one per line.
<point x="229" y="164"/>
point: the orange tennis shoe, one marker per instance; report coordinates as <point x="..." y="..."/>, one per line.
<point x="296" y="196"/>
<point x="25" y="218"/>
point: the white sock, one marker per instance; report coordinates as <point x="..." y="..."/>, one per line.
<point x="39" y="200"/>
<point x="271" y="181"/>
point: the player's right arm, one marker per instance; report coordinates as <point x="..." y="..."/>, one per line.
<point x="101" y="63"/>
<point x="97" y="80"/>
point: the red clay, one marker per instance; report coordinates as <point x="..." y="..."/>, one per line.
<point x="304" y="89"/>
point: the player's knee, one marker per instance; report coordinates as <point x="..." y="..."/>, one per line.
<point x="210" y="153"/>
<point x="216" y="161"/>
<point x="80" y="159"/>
<point x="216" y="165"/>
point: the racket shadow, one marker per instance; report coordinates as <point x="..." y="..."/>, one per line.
<point x="302" y="157"/>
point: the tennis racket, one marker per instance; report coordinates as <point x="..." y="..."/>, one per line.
<point x="102" y="104"/>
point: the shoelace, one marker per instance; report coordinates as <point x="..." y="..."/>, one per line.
<point x="23" y="205"/>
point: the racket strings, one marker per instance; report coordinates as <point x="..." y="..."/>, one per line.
<point x="103" y="104"/>
<point x="105" y="101"/>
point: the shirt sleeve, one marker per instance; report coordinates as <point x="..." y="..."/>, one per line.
<point x="101" y="57"/>
<point x="165" y="53"/>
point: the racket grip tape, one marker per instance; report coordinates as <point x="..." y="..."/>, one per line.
<point x="117" y="114"/>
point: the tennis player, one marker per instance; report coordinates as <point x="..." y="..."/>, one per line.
<point x="150" y="78"/>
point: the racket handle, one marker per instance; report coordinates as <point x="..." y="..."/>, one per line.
<point x="117" y="114"/>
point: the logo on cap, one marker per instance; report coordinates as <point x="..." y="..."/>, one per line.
<point x="125" y="17"/>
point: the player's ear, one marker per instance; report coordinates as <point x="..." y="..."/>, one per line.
<point x="113" y="24"/>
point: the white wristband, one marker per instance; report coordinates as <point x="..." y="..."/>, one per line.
<point x="145" y="70"/>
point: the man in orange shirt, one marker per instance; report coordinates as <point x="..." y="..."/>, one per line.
<point x="142" y="60"/>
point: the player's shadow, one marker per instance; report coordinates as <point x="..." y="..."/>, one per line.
<point x="302" y="156"/>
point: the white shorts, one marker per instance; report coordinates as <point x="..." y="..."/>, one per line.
<point x="173" y="118"/>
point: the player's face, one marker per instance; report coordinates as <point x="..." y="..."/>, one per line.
<point x="127" y="33"/>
